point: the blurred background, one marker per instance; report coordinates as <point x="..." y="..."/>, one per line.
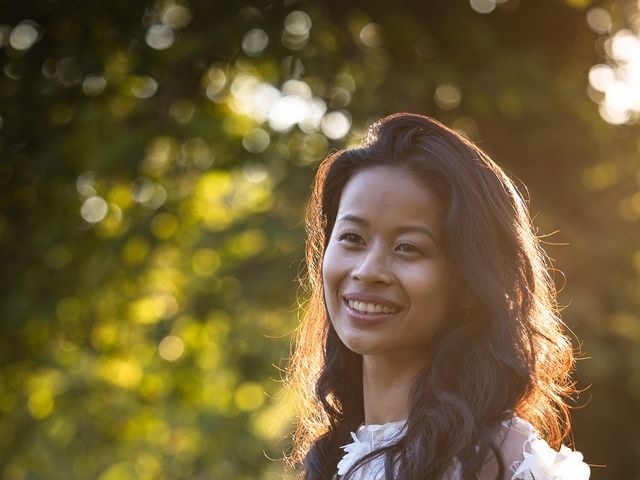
<point x="155" y="158"/>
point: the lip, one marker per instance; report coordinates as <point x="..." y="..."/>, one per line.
<point x="368" y="319"/>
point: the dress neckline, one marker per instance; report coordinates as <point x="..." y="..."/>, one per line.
<point x="379" y="434"/>
<point x="377" y="426"/>
<point x="507" y="414"/>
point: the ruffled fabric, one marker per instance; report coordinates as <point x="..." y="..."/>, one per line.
<point x="365" y="440"/>
<point x="540" y="461"/>
<point x="371" y="437"/>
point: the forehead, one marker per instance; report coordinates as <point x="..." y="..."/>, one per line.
<point x="391" y="195"/>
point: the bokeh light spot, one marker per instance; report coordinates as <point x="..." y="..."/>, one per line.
<point x="198" y="153"/>
<point x="247" y="244"/>
<point x="483" y="6"/>
<point x="599" y="20"/>
<point x="150" y="194"/>
<point x="340" y="98"/>
<point x="256" y="140"/>
<point x="93" y="85"/>
<point x="371" y="35"/>
<point x="171" y="348"/>
<point x="447" y="96"/>
<point x="135" y="251"/>
<point x="94" y="209"/>
<point x="291" y="40"/>
<point x="254" y="42"/>
<point x="600" y="76"/>
<point x="286" y="112"/>
<point x="122" y="372"/>
<point x="164" y="225"/>
<point x="143" y="311"/>
<point x="249" y="396"/>
<point x="24" y="35"/>
<point x="600" y="176"/>
<point x="215" y="80"/>
<point x="142" y="189"/>
<point x="40" y="403"/>
<point x="176" y="16"/>
<point x="468" y="127"/>
<point x="205" y="262"/>
<point x="182" y="110"/>
<point x="160" y="37"/>
<point x="336" y="125"/>
<point x="298" y="23"/>
<point x="143" y="87"/>
<point x="85" y="183"/>
<point x="255" y="172"/>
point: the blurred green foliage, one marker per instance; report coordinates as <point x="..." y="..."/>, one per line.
<point x="155" y="161"/>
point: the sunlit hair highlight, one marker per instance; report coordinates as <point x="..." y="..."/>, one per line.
<point x="510" y="355"/>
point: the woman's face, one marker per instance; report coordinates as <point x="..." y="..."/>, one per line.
<point x="387" y="284"/>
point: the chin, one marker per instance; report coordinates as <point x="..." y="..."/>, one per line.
<point x="353" y="344"/>
<point x="361" y="347"/>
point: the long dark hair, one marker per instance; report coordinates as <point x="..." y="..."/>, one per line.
<point x="509" y="355"/>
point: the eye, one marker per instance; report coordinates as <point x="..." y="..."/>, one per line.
<point x="351" y="238"/>
<point x="409" y="248"/>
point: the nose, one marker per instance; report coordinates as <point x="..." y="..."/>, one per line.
<point x="372" y="267"/>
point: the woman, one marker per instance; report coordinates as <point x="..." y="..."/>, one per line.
<point x="431" y="346"/>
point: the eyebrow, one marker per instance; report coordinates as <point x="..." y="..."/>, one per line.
<point x="401" y="229"/>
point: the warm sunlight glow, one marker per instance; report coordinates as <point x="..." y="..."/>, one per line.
<point x="292" y="104"/>
<point x="619" y="81"/>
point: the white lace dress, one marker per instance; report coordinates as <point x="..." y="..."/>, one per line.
<point x="538" y="461"/>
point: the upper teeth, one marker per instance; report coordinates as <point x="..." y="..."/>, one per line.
<point x="370" y="307"/>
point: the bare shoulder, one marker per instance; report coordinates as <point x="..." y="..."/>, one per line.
<point x="510" y="438"/>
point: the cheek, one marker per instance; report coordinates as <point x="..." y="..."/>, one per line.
<point x="333" y="273"/>
<point x="330" y="265"/>
<point x="434" y="288"/>
<point x="327" y="279"/>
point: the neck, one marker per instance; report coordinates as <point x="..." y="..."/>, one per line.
<point x="386" y="382"/>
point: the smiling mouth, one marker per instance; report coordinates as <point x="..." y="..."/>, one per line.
<point x="366" y="307"/>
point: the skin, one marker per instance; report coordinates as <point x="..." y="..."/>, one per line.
<point x="511" y="441"/>
<point x="385" y="248"/>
